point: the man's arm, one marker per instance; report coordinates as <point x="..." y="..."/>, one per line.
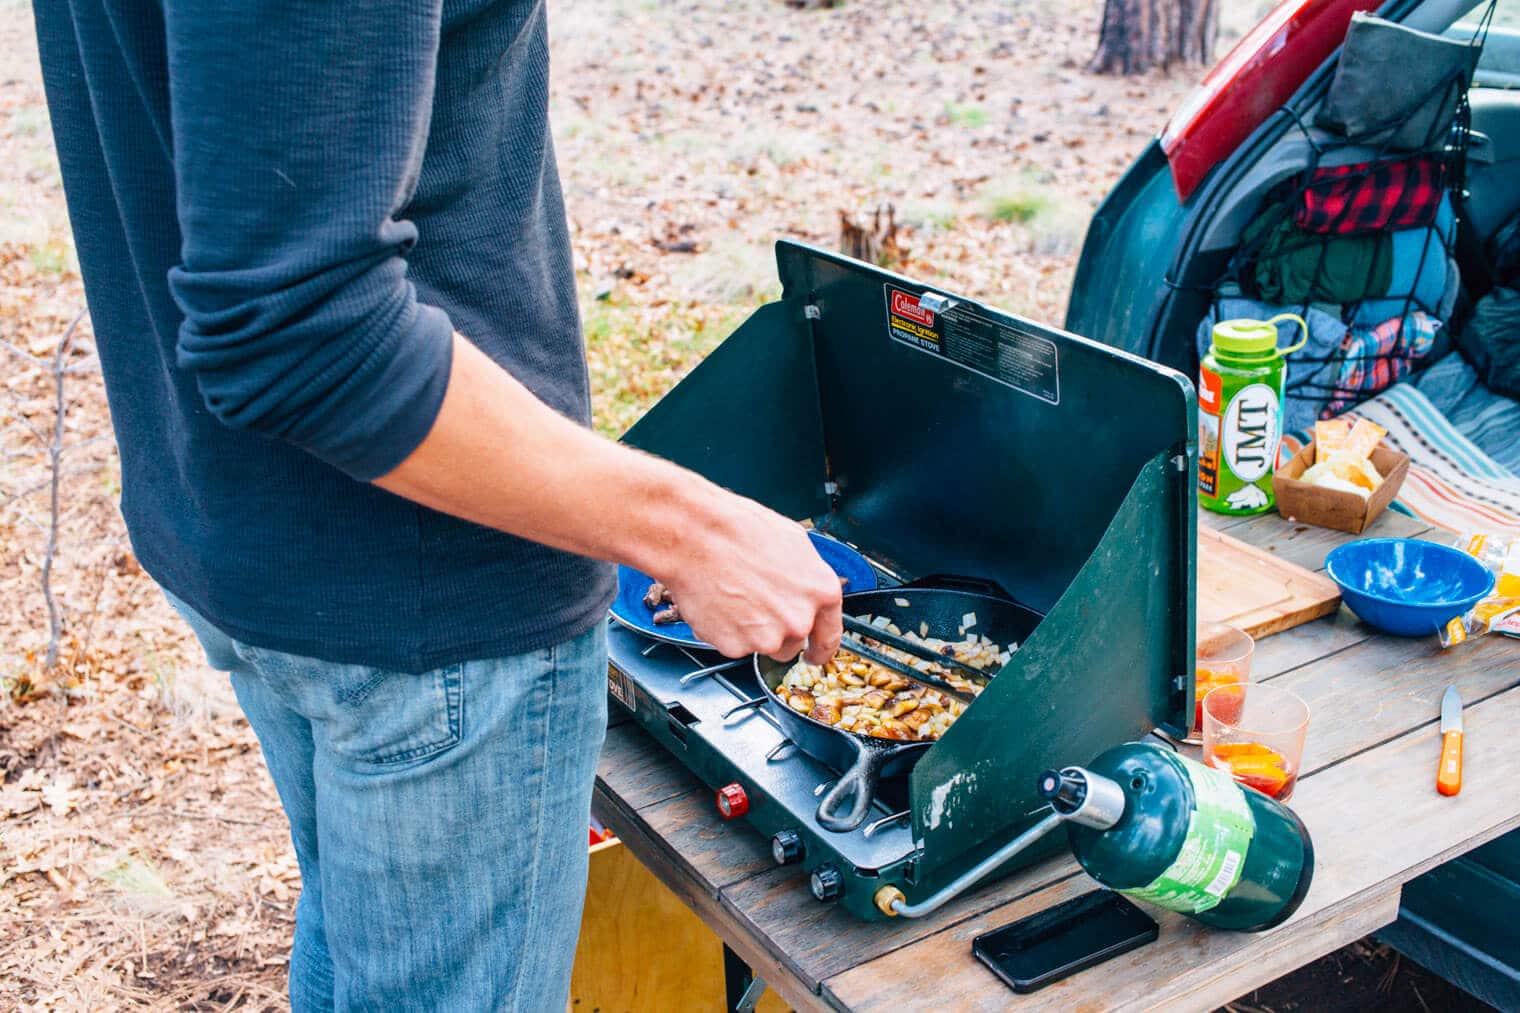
<point x="298" y="132"/>
<point x="746" y="578"/>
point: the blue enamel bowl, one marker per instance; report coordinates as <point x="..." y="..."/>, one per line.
<point x="1405" y="586"/>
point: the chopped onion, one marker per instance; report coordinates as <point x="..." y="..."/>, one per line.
<point x="901" y="603"/>
<point x="967" y="621"/>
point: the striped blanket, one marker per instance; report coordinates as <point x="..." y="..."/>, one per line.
<point x="1452" y="484"/>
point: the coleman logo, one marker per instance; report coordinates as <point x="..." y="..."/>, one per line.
<point x="905" y="305"/>
<point x="1250" y="433"/>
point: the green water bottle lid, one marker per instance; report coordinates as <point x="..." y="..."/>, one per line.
<point x="1256" y="339"/>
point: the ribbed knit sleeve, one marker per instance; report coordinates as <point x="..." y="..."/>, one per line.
<point x="298" y="134"/>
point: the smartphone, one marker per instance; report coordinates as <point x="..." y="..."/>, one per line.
<point x="1046" y="947"/>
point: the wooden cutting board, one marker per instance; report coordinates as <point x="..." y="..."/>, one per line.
<point x="1251" y="588"/>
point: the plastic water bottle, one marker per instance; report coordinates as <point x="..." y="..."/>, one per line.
<point x="1240" y="393"/>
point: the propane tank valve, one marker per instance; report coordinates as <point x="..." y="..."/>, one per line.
<point x="1083" y="797"/>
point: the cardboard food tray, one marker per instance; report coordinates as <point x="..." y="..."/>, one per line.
<point x="1333" y="508"/>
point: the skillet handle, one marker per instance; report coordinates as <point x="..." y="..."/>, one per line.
<point x="958" y="582"/>
<point x="858" y="784"/>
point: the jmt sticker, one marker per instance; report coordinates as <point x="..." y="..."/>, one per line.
<point x="1250" y="434"/>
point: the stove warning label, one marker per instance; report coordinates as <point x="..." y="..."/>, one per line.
<point x="998" y="349"/>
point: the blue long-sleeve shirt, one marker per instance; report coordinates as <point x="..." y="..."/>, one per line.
<point x="283" y="209"/>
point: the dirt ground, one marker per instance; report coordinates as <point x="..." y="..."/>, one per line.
<point x="143" y="857"/>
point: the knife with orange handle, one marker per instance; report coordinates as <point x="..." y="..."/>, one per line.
<point x="1449" y="779"/>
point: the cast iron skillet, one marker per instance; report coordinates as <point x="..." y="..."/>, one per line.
<point x="940" y="601"/>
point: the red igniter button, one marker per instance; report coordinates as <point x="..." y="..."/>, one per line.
<point x="732" y="801"/>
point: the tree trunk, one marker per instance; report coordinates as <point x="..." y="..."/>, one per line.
<point x="875" y="242"/>
<point x="1138" y="35"/>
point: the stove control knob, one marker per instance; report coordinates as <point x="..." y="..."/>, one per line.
<point x="786" y="847"/>
<point x="732" y="801"/>
<point x="827" y="883"/>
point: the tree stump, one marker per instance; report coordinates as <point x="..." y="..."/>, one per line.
<point x="1137" y="35"/>
<point x="874" y="242"/>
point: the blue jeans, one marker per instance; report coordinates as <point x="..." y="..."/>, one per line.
<point x="439" y="820"/>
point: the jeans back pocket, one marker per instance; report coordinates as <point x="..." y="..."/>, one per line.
<point x="374" y="717"/>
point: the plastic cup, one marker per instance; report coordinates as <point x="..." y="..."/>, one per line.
<point x="1255" y="733"/>
<point x="1223" y="658"/>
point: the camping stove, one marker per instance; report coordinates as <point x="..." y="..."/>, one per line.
<point x="708" y="711"/>
<point x="937" y="436"/>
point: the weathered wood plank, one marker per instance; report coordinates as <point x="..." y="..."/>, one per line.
<point x="715" y="851"/>
<point x="1308" y="643"/>
<point x="819" y="940"/>
<point x="1377" y="822"/>
<point x="971" y="987"/>
<point x="1308" y="545"/>
<point x="1383" y="687"/>
<point x="638" y="770"/>
<point x="1220" y="522"/>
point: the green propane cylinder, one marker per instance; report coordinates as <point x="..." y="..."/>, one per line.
<point x="1240" y="393"/>
<point x="1161" y="828"/>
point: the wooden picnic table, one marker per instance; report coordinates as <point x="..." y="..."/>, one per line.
<point x="1367" y="794"/>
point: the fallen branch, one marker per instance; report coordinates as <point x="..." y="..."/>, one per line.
<point x="55" y="457"/>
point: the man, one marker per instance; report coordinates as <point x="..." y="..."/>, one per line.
<point x="329" y="274"/>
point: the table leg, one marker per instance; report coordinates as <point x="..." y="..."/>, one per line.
<point x="742" y="989"/>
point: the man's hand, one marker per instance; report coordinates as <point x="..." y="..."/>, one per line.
<point x="750" y="580"/>
<point x="746" y="578"/>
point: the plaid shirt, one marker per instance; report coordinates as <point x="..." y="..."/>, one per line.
<point x="1373" y="360"/>
<point x="1371" y="196"/>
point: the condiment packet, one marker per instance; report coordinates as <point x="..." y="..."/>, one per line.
<point x="1491" y="615"/>
<point x="1500" y="611"/>
<point x="1329" y="436"/>
<point x="1364" y="438"/>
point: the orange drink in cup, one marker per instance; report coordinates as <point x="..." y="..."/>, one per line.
<point x="1255" y="733"/>
<point x="1223" y="658"/>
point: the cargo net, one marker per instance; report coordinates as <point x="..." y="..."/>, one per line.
<point x="1362" y="244"/>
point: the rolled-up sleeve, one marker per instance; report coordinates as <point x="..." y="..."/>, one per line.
<point x="298" y="132"/>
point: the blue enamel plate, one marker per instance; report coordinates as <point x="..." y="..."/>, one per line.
<point x="628" y="608"/>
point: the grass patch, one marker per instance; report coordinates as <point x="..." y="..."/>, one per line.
<point x="969" y="116"/>
<point x="28" y="121"/>
<point x="1053" y="223"/>
<point x="636" y="353"/>
<point x="135" y="877"/>
<point x="50" y="259"/>
<point x="1021" y="206"/>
